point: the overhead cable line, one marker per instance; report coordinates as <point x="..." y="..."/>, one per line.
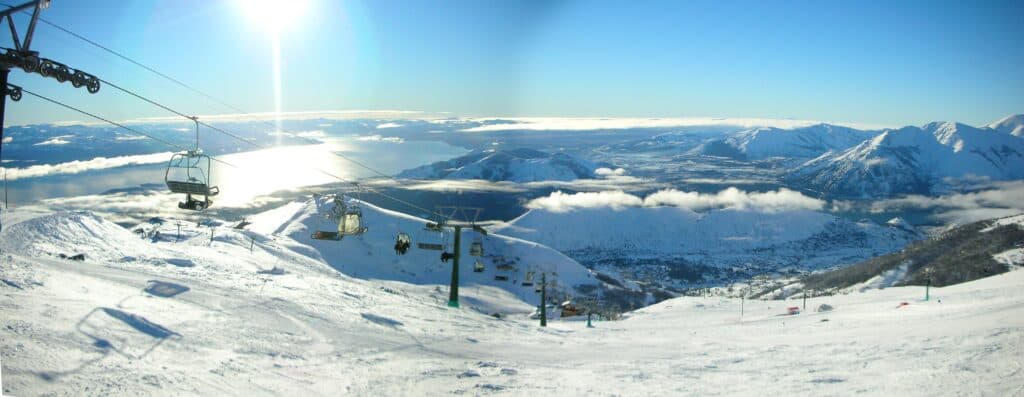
<point x="261" y="146"/>
<point x="221" y="102"/>
<point x="190" y="88"/>
<point x="136" y="63"/>
<point x="114" y="123"/>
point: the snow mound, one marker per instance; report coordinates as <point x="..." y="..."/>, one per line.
<point x="72" y="233"/>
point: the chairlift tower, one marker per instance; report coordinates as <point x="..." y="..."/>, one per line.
<point x="21" y="56"/>
<point x="456" y="218"/>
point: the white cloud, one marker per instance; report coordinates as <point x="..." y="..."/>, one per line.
<point x="772" y="201"/>
<point x="388" y="125"/>
<point x="722" y="181"/>
<point x="562" y="202"/>
<point x="580" y="124"/>
<point x="74" y="167"/>
<point x="57" y="140"/>
<point x="307" y="115"/>
<point x="378" y="138"/>
<point x="311" y="134"/>
<point x="130" y="138"/>
<point x="1002" y="200"/>
<point x="604" y="171"/>
<point x="8" y="139"/>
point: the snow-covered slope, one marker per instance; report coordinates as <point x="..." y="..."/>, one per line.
<point x="915" y="160"/>
<point x="371" y="255"/>
<point x="804" y="142"/>
<point x="143" y="326"/>
<point x="1013" y="125"/>
<point x="516" y="165"/>
<point x="721" y="244"/>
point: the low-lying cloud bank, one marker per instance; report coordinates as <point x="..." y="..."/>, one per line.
<point x="771" y="201"/>
<point x="78" y="166"/>
<point x="1003" y="199"/>
<point x="380" y="138"/>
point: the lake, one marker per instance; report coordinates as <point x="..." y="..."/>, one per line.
<point x="254" y="173"/>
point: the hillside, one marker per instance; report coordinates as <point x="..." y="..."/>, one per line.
<point x="371" y="255"/>
<point x="514" y="165"/>
<point x="163" y="316"/>
<point x="962" y="254"/>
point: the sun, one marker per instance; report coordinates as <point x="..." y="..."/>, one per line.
<point x="274" y="15"/>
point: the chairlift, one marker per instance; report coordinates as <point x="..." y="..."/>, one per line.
<point x="349" y="220"/>
<point x="433" y="228"/>
<point x="499" y="277"/>
<point x="478" y="267"/>
<point x="528" y="281"/>
<point x="476" y="248"/>
<point x="402" y="243"/>
<point x="538" y="287"/>
<point x="189" y="173"/>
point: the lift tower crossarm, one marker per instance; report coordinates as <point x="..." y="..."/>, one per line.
<point x="456" y="217"/>
<point x="37" y="5"/>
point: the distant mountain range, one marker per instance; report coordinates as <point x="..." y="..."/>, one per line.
<point x="515" y="165"/>
<point x="804" y="142"/>
<point x="915" y="160"/>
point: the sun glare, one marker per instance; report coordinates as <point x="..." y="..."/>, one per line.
<point x="274" y="16"/>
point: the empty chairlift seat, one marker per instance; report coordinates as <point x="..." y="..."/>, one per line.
<point x="188" y="173"/>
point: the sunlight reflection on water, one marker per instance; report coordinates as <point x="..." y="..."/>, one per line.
<point x="256" y="173"/>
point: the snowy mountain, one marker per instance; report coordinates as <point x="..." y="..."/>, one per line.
<point x="920" y="160"/>
<point x="803" y="142"/>
<point x="705" y="248"/>
<point x="157" y="315"/>
<point x="515" y="165"/>
<point x="1013" y="125"/>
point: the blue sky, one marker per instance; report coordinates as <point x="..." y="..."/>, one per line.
<point x="881" y="62"/>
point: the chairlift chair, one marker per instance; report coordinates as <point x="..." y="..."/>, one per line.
<point x="433" y="227"/>
<point x="478" y="267"/>
<point x="402" y="243"/>
<point x="189" y="173"/>
<point x="476" y="248"/>
<point x="528" y="281"/>
<point x="349" y="220"/>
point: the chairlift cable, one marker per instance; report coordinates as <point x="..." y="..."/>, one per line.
<point x="220" y="130"/>
<point x="190" y="88"/>
<point x="116" y="124"/>
<point x="261" y="146"/>
<point x="136" y="63"/>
